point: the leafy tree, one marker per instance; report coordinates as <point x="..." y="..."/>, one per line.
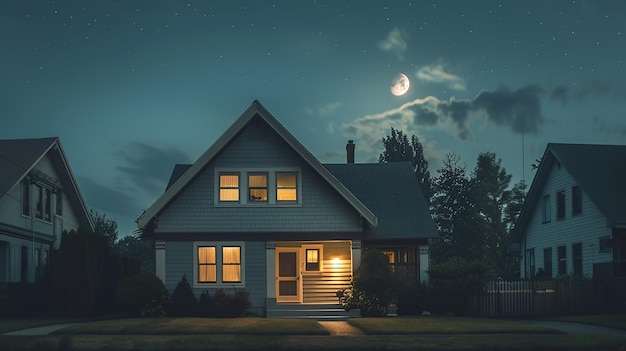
<point x="453" y="211"/>
<point x="141" y="250"/>
<point x="398" y="148"/>
<point x="491" y="197"/>
<point x="105" y="226"/>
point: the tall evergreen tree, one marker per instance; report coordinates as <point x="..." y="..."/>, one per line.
<point x="398" y="148"/>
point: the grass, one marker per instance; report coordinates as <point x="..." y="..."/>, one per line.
<point x="617" y="321"/>
<point x="198" y="326"/>
<point x="258" y="334"/>
<point x="437" y="325"/>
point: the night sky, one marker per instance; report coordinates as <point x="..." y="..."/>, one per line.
<point x="133" y="87"/>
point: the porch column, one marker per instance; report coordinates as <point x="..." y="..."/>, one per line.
<point x="270" y="263"/>
<point x="424" y="252"/>
<point x="356" y="255"/>
<point x="159" y="248"/>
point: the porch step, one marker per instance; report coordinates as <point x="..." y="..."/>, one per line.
<point x="319" y="312"/>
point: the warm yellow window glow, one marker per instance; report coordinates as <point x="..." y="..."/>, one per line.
<point x="312" y="259"/>
<point x="229" y="187"/>
<point x="336" y="261"/>
<point x="257" y="185"/>
<point x="231" y="264"/>
<point x="207" y="265"/>
<point x="286" y="186"/>
<point x="391" y="256"/>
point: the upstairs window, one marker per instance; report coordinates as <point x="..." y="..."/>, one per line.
<point x="577" y="201"/>
<point x="43" y="201"/>
<point x="286" y="187"/>
<point x="257" y="187"/>
<point x="546" y="209"/>
<point x="59" y="203"/>
<point x="560" y="205"/>
<point x="229" y="187"/>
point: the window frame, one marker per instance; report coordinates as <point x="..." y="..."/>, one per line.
<point x="243" y="174"/>
<point x="546" y="214"/>
<point x="220" y="187"/>
<point x="561" y="205"/>
<point x="561" y="257"/>
<point x="219" y="264"/>
<point x="251" y="188"/>
<point x="320" y="249"/>
<point x="295" y="187"/>
<point x="577" y="260"/>
<point x="531" y="263"/>
<point x="577" y="201"/>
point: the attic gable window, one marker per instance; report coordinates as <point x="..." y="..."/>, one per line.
<point x="229" y="187"/>
<point x="286" y="187"/>
<point x="257" y="187"/>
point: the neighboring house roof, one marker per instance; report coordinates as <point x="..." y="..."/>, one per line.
<point x="599" y="170"/>
<point x="393" y="193"/>
<point x="19" y="156"/>
<point x="255" y="109"/>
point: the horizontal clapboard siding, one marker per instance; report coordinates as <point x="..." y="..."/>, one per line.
<point x="322" y="288"/>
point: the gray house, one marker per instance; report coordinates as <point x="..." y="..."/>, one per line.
<point x="258" y="211"/>
<point x="573" y="221"/>
<point x="39" y="199"/>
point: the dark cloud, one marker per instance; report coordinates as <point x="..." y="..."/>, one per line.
<point x="560" y="93"/>
<point x="520" y="110"/>
<point x="424" y="116"/>
<point x="108" y="199"/>
<point x="149" y="167"/>
<point x="594" y="88"/>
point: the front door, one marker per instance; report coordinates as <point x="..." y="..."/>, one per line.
<point x="287" y="275"/>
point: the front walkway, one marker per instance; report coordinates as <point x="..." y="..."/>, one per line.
<point x="579" y="328"/>
<point x="40" y="330"/>
<point x="341" y="328"/>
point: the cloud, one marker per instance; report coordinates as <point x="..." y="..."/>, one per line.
<point x="602" y="127"/>
<point x="588" y="89"/>
<point x="148" y="167"/>
<point x="108" y="199"/>
<point x="329" y="108"/>
<point x="395" y="42"/>
<point x="437" y="74"/>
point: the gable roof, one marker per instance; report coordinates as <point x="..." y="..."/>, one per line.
<point x="255" y="109"/>
<point x="599" y="171"/>
<point x="393" y="193"/>
<point x="19" y="156"/>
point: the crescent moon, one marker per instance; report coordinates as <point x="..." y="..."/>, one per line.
<point x="400" y="85"/>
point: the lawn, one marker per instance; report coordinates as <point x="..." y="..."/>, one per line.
<point x="435" y="325"/>
<point x="617" y="321"/>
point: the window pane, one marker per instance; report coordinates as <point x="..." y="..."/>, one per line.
<point x="207" y="274"/>
<point x="286" y="180"/>
<point x="312" y="259"/>
<point x="286" y="186"/>
<point x="257" y="180"/>
<point x="231" y="274"/>
<point x="577" y="200"/>
<point x="47" y="204"/>
<point x="229" y="194"/>
<point x="258" y="195"/>
<point x="206" y="255"/>
<point x="560" y="205"/>
<point x="229" y="181"/>
<point x="231" y="255"/>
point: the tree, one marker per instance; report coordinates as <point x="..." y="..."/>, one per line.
<point x="141" y="250"/>
<point x="398" y="149"/>
<point x="453" y="211"/>
<point x="105" y="226"/>
<point x="491" y="198"/>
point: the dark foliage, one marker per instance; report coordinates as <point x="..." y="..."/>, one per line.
<point x="231" y="306"/>
<point x="183" y="302"/>
<point x="142" y="295"/>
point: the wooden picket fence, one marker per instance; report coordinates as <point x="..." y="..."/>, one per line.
<point x="530" y="299"/>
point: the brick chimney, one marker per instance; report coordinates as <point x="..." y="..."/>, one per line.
<point x="350" y="151"/>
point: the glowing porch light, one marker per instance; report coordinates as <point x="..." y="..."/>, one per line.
<point x="335" y="261"/>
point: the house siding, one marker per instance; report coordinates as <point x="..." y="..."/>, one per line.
<point x="258" y="146"/>
<point x="585" y="229"/>
<point x="178" y="262"/>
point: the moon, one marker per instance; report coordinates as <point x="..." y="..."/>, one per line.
<point x="400" y="85"/>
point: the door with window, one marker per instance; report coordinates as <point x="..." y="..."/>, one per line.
<point x="288" y="288"/>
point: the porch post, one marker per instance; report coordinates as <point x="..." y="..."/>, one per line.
<point x="356" y="255"/>
<point x="270" y="263"/>
<point x="424" y="252"/>
<point x="159" y="248"/>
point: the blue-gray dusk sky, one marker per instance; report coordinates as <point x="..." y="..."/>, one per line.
<point x="133" y="87"/>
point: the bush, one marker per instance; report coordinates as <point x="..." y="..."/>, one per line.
<point x="372" y="288"/>
<point x="143" y="295"/>
<point x="456" y="280"/>
<point x="183" y="302"/>
<point x="414" y="298"/>
<point x="206" y="305"/>
<point x="231" y="306"/>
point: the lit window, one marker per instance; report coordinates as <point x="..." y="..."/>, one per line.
<point x="560" y="205"/>
<point x="577" y="201"/>
<point x="229" y="187"/>
<point x="546" y="209"/>
<point x="286" y="186"/>
<point x="207" y="272"/>
<point x="312" y="260"/>
<point x="219" y="263"/>
<point x="391" y="256"/>
<point x="257" y="187"/>
<point x="231" y="264"/>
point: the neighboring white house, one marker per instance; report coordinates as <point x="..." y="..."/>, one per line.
<point x="39" y="199"/>
<point x="573" y="221"/>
